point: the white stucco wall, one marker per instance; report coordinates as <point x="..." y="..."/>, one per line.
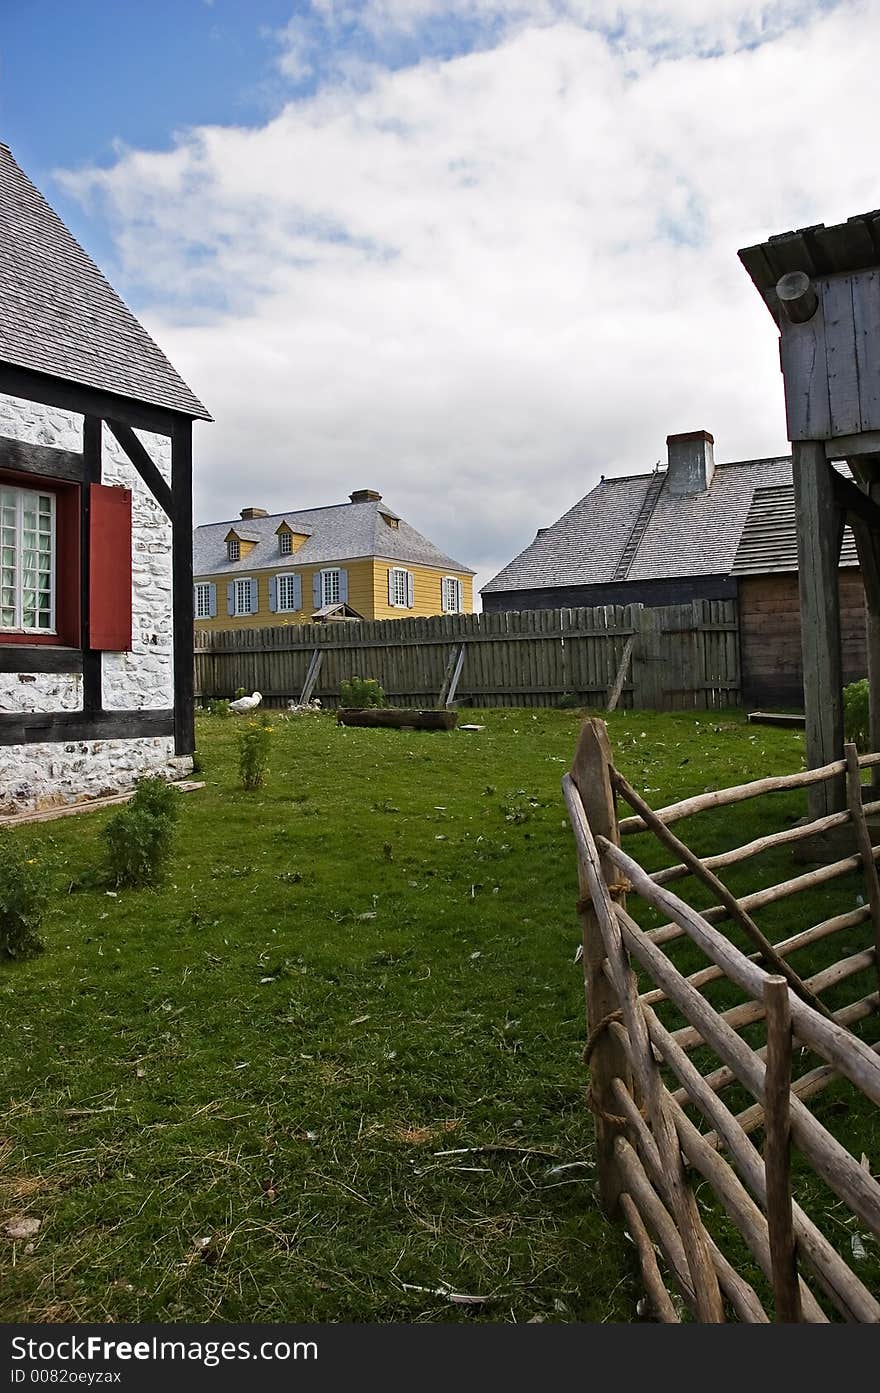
<point x="34" y="775"/>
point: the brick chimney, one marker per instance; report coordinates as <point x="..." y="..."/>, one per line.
<point x="248" y="513"/>
<point x="691" y="462"/>
<point x="365" y="496"/>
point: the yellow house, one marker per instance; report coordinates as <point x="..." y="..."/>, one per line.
<point x="357" y="559"/>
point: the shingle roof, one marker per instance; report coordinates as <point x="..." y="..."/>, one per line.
<point x="341" y="532"/>
<point x="686" y="535"/>
<point x="769" y="539"/>
<point x="60" y="316"/>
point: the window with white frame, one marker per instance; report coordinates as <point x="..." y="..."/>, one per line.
<point x="286" y="592"/>
<point x="233" y="549"/>
<point x="203" y="604"/>
<point x="451" y="595"/>
<point x="330" y="587"/>
<point x="285" y="543"/>
<point x="27" y="560"/>
<point x="399" y="587"/>
<point x="242" y="597"/>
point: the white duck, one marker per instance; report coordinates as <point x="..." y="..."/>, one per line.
<point x="246" y="703"/>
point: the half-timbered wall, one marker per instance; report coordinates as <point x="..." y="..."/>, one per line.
<point x="138" y="680"/>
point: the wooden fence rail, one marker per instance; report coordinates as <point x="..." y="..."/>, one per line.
<point x="645" y="1070"/>
<point x="670" y="658"/>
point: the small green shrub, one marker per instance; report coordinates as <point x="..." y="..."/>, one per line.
<point x="140" y="837"/>
<point x="24" y="894"/>
<point x="855" y="714"/>
<point x="361" y="692"/>
<point x="240" y="692"/>
<point x="569" y="701"/>
<point x="219" y="707"/>
<point x="254" y="742"/>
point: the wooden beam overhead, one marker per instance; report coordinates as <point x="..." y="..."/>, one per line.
<point x="41" y="459"/>
<point x="86" y="401"/>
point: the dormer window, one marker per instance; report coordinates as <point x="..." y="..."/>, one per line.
<point x="392" y="522"/>
<point x="233" y="549"/>
<point x="285" y="543"/>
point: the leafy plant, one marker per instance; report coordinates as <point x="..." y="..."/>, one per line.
<point x="361" y="692"/>
<point x="254" y="742"/>
<point x="219" y="707"/>
<point x="569" y="701"/>
<point x="240" y="692"/>
<point x="23" y="897"/>
<point x="855" y="714"/>
<point x="140" y="837"/>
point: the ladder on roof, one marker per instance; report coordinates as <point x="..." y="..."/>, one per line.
<point x="643" y="517"/>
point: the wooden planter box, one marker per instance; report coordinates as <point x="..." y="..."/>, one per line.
<point x="399" y="717"/>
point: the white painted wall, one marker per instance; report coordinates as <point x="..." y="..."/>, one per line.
<point x="43" y="774"/>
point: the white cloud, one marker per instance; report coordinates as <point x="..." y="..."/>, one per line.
<point x="476" y="284"/>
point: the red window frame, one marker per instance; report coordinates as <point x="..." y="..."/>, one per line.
<point x="67" y="561"/>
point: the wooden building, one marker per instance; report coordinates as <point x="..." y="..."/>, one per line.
<point x="359" y="559"/>
<point x="96" y="673"/>
<point x="822" y="287"/>
<point x="694" y="531"/>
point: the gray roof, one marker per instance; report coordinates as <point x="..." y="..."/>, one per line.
<point x="818" y="250"/>
<point x="769" y="539"/>
<point x="684" y="535"/>
<point x="341" y="532"/>
<point x="60" y="316"/>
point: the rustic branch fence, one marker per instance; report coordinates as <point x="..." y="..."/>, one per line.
<point x="660" y="1118"/>
<point x="673" y="657"/>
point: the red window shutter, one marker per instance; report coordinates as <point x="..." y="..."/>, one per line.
<point x="110" y="568"/>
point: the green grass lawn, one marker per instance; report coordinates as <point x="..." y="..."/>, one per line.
<point x="335" y="1064"/>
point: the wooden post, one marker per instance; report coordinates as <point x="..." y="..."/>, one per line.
<point x="451" y="676"/>
<point x="777" y="1150"/>
<point x="617" y="688"/>
<point x="182" y="582"/>
<point x="92" y="659"/>
<point x="608" y="1059"/>
<point x="819" y="535"/>
<point x="866" y="470"/>
<point x="314" y="668"/>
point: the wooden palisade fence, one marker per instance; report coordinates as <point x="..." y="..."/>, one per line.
<point x="677" y="656"/>
<point x="646" y="1087"/>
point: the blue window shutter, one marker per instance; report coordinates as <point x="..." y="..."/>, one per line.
<point x="459" y="596"/>
<point x="212" y="600"/>
<point x="316" y="589"/>
<point x="273" y="594"/>
<point x="410" y="589"/>
<point x="230" y="597"/>
<point x="390" y="585"/>
<point x="297" y="592"/>
<point x="255" y="597"/>
<point x="343" y="587"/>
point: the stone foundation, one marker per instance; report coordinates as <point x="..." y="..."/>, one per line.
<point x="34" y="777"/>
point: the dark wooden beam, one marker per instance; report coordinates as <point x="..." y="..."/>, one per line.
<point x="144" y="465"/>
<point x="819" y="536"/>
<point x="855" y="501"/>
<point x="40" y="459"/>
<point x="92" y="695"/>
<point x="87" y="401"/>
<point x="182" y="574"/>
<point x="867" y="470"/>
<point x="39" y="657"/>
<point x="41" y="727"/>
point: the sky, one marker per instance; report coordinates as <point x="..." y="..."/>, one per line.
<point x="471" y="253"/>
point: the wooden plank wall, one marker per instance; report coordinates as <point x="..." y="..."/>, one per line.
<point x="685" y="656"/>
